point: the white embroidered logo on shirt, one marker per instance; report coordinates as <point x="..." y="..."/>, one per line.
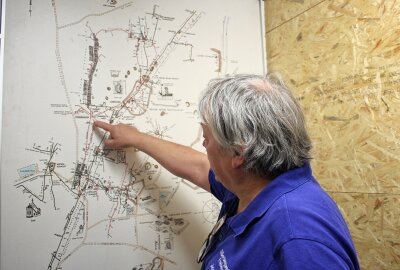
<point x="222" y="263"/>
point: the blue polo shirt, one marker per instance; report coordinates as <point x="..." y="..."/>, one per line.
<point x="291" y="224"/>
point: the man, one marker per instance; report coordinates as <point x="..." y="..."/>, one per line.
<point x="274" y="214"/>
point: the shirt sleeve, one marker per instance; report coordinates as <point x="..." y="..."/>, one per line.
<point x="309" y="255"/>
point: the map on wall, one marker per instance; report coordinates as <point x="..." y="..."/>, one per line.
<point x="67" y="202"/>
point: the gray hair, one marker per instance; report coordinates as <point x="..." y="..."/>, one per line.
<point x="258" y="117"/>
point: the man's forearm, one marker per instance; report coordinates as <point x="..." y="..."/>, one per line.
<point x="180" y="160"/>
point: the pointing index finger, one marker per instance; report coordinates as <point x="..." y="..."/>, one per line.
<point x="102" y="125"/>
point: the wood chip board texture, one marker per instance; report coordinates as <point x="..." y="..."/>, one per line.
<point x="342" y="60"/>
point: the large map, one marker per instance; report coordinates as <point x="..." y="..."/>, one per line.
<point x="67" y="202"/>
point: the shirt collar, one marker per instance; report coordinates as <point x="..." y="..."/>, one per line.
<point x="282" y="184"/>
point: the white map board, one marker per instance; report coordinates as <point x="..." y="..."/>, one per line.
<point x="68" y="203"/>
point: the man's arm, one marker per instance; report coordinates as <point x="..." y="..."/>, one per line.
<point x="311" y="255"/>
<point x="180" y="160"/>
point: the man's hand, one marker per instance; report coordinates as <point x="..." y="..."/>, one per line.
<point x="121" y="135"/>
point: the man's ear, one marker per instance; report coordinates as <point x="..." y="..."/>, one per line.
<point x="237" y="160"/>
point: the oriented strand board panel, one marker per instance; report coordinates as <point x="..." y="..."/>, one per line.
<point x="342" y="60"/>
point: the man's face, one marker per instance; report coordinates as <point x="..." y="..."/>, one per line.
<point x="220" y="159"/>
